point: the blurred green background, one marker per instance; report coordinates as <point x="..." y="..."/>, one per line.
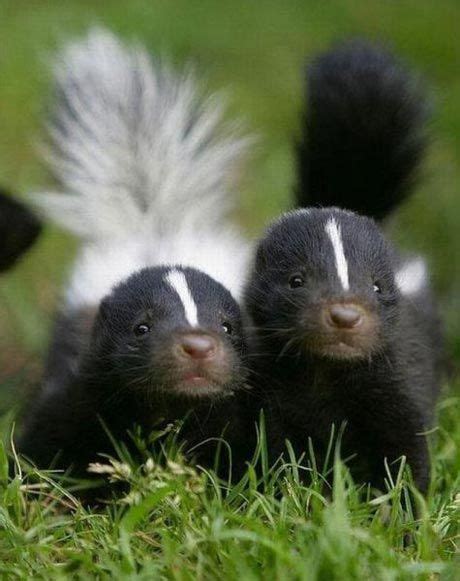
<point x="255" y="51"/>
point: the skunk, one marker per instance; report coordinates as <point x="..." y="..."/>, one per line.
<point x="19" y="229"/>
<point x="347" y="328"/>
<point x="166" y="343"/>
<point x="364" y="131"/>
<point x="151" y="330"/>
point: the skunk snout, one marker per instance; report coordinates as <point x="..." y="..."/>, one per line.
<point x="340" y="328"/>
<point x="344" y="316"/>
<point x="197" y="363"/>
<point x="197" y="346"/>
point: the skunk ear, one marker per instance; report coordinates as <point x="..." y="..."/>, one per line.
<point x="19" y="228"/>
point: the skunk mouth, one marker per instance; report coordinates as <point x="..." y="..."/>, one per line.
<point x="199" y="382"/>
<point x="179" y="376"/>
<point x="195" y="378"/>
<point x="348" y="343"/>
<point x="341" y="350"/>
<point x="197" y="386"/>
<point x="341" y="346"/>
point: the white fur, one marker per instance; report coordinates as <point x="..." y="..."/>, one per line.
<point x="176" y="279"/>
<point x="411" y="278"/>
<point x="224" y="255"/>
<point x="147" y="169"/>
<point x="332" y="229"/>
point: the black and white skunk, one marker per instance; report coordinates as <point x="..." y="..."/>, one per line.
<point x="19" y="229"/>
<point x="347" y="328"/>
<point x="151" y="330"/>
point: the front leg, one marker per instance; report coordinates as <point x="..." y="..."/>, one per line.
<point x="395" y="428"/>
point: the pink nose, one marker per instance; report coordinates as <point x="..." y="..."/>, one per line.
<point x="344" y="316"/>
<point x="198" y="346"/>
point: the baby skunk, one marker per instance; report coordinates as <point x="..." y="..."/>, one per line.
<point x="166" y="343"/>
<point x="19" y="229"/>
<point x="151" y="330"/>
<point x="347" y="328"/>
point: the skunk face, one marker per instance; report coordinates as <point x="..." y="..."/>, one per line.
<point x="324" y="284"/>
<point x="171" y="330"/>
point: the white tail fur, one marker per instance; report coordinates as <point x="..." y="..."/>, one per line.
<point x="147" y="169"/>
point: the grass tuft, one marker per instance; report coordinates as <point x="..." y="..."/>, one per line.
<point x="170" y="519"/>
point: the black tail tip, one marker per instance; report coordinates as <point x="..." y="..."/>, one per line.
<point x="19" y="229"/>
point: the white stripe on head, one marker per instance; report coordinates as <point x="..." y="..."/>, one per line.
<point x="177" y="281"/>
<point x="411" y="277"/>
<point x="333" y="231"/>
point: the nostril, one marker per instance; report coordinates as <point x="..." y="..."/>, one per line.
<point x="198" y="346"/>
<point x="344" y="316"/>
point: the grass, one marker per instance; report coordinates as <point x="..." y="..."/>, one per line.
<point x="178" y="522"/>
<point x="186" y="525"/>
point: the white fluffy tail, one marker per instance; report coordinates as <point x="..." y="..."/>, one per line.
<point x="146" y="169"/>
<point x="133" y="147"/>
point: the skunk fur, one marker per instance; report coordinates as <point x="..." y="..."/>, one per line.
<point x="364" y="134"/>
<point x="151" y="329"/>
<point x="19" y="229"/>
<point x="347" y="330"/>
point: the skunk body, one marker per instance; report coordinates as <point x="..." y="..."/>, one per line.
<point x="151" y="330"/>
<point x="348" y="335"/>
<point x="347" y="328"/>
<point x="364" y="134"/>
<point x="19" y="229"/>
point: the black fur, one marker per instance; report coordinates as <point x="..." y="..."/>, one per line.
<point x="363" y="142"/>
<point x="19" y="229"/>
<point x="364" y="133"/>
<point x="382" y="382"/>
<point x="102" y="373"/>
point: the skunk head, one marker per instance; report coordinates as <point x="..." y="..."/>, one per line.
<point x="324" y="284"/>
<point x="171" y="330"/>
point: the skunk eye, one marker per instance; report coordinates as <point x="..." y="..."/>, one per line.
<point x="142" y="329"/>
<point x="377" y="288"/>
<point x="227" y="328"/>
<point x="296" y="281"/>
